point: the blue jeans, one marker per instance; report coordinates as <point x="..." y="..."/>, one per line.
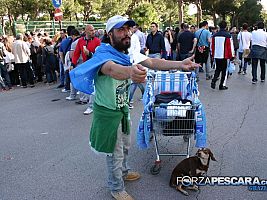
<point x="133" y="88"/>
<point x="154" y="55"/>
<point x="4" y="74"/>
<point x="50" y="68"/>
<point x="255" y="66"/>
<point x="208" y="68"/>
<point x="244" y="63"/>
<point x="117" y="163"/>
<point x="62" y="73"/>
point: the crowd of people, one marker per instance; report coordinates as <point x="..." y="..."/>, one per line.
<point x="30" y="58"/>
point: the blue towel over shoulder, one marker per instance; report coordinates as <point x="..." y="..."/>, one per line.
<point x="82" y="77"/>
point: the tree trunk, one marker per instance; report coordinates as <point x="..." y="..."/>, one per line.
<point x="3" y="25"/>
<point x="170" y="21"/>
<point x="214" y="18"/>
<point x="51" y="14"/>
<point x="181" y="11"/>
<point x="233" y="20"/>
<point x="12" y="25"/>
<point x="199" y="11"/>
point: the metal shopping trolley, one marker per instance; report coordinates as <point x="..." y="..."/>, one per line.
<point x="173" y="112"/>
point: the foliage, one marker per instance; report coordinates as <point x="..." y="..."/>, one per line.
<point x="143" y="11"/>
<point x="249" y="12"/>
<point x="110" y="8"/>
<point x="144" y="14"/>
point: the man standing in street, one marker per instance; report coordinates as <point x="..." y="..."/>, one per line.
<point x="111" y="70"/>
<point x="203" y="37"/>
<point x="244" y="39"/>
<point x="186" y="43"/>
<point x="258" y="52"/>
<point x="22" y="53"/>
<point x="63" y="49"/>
<point x="141" y="37"/>
<point x="222" y="49"/>
<point x="86" y="47"/>
<point x="155" y="43"/>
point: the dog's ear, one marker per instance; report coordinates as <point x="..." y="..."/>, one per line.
<point x="212" y="156"/>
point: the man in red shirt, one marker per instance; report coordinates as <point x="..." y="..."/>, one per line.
<point x="86" y="47"/>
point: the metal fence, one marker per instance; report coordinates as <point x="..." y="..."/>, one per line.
<point x="52" y="27"/>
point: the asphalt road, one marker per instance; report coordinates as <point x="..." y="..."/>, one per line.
<point x="44" y="151"/>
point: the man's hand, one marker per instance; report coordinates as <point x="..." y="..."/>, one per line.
<point x="71" y="68"/>
<point x="188" y="65"/>
<point x="192" y="51"/>
<point x="86" y="51"/>
<point x="138" y="73"/>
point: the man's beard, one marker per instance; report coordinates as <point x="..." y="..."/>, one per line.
<point x="120" y="44"/>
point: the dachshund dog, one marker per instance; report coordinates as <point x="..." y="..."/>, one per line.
<point x="194" y="166"/>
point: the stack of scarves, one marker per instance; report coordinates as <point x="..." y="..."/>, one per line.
<point x="145" y="125"/>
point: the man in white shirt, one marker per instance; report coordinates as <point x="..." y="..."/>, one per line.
<point x="258" y="52"/>
<point x="134" y="50"/>
<point x="141" y="37"/>
<point x="22" y="54"/>
<point x="244" y="39"/>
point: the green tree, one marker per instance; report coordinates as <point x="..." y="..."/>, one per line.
<point x="144" y="14"/>
<point x="110" y="8"/>
<point x="249" y="12"/>
<point x="90" y="7"/>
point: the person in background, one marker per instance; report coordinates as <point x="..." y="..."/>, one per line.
<point x="202" y="54"/>
<point x="155" y="43"/>
<point x="22" y="53"/>
<point x="234" y="34"/>
<point x="222" y="49"/>
<point x="168" y="40"/>
<point x="175" y="43"/>
<point x="134" y="49"/>
<point x="6" y="83"/>
<point x="192" y="29"/>
<point x="258" y="52"/>
<point x="244" y="40"/>
<point x="49" y="60"/>
<point x="64" y="47"/>
<point x="86" y="47"/>
<point x="141" y="36"/>
<point x="75" y="37"/>
<point x="186" y="43"/>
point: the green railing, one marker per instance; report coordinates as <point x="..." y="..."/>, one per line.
<point x="52" y="27"/>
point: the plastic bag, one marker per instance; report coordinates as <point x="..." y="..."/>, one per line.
<point x="231" y="67"/>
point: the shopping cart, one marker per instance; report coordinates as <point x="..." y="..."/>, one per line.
<point x="173" y="112"/>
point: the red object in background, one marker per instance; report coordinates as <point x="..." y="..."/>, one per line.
<point x="58" y="14"/>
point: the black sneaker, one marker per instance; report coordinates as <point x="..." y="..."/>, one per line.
<point x="60" y="86"/>
<point x="223" y="88"/>
<point x="81" y="102"/>
<point x="239" y="72"/>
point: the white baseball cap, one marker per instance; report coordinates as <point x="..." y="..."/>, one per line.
<point x="118" y="21"/>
